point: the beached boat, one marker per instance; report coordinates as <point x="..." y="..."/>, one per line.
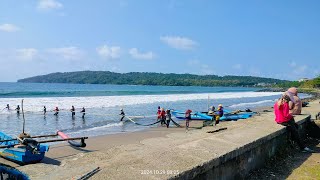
<point x="28" y="152"/>
<point x="24" y="149"/>
<point x="194" y="116"/>
<point x="203" y="116"/>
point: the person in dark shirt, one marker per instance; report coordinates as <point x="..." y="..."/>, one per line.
<point x="73" y="111"/>
<point x="122" y="114"/>
<point x="56" y="110"/>
<point x="18" y="109"/>
<point x="83" y="111"/>
<point x="44" y="110"/>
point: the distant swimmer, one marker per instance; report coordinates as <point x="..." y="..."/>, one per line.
<point x="18" y="109"/>
<point x="56" y="110"/>
<point x="44" y="110"/>
<point x="122" y="114"/>
<point x="83" y="111"/>
<point x="7" y="107"/>
<point x="73" y="111"/>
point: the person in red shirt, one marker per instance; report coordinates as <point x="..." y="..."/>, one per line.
<point x="159" y="114"/>
<point x="163" y="116"/>
<point x="283" y="117"/>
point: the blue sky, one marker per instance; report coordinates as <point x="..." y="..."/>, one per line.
<point x="266" y="38"/>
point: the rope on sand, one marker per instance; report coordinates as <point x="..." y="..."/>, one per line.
<point x="89" y="174"/>
<point x="141" y="124"/>
<point x="178" y="125"/>
<point x="220" y="129"/>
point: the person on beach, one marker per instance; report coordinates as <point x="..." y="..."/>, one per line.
<point x="218" y="114"/>
<point x="44" y="110"/>
<point x="159" y="114"/>
<point x="56" y="110"/>
<point x="83" y="111"/>
<point x="73" y="111"/>
<point x="168" y="117"/>
<point x="211" y="110"/>
<point x="283" y="117"/>
<point x="295" y="104"/>
<point x="122" y="114"/>
<point x="18" y="109"/>
<point x="188" y="118"/>
<point x="7" y="107"/>
<point x="163" y="116"/>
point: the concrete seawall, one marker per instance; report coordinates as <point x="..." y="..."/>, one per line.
<point x="237" y="163"/>
<point x="173" y="153"/>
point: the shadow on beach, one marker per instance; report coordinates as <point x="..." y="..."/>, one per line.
<point x="285" y="163"/>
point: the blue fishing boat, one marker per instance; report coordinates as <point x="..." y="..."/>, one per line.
<point x="30" y="151"/>
<point x="227" y="116"/>
<point x="194" y="116"/>
<point x="25" y="149"/>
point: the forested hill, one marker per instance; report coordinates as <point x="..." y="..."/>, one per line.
<point x="144" y="78"/>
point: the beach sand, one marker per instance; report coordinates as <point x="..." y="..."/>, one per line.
<point x="141" y="155"/>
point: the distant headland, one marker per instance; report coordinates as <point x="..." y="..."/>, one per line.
<point x="147" y="78"/>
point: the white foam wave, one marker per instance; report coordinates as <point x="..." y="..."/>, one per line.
<point x="250" y="104"/>
<point x="64" y="103"/>
<point x="111" y="125"/>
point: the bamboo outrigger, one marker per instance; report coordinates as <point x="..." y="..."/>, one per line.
<point x="25" y="149"/>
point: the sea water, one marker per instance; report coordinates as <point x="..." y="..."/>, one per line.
<point x="103" y="104"/>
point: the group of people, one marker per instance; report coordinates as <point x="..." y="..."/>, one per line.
<point x="164" y="116"/>
<point x="73" y="111"/>
<point x="16" y="109"/>
<point x="288" y="105"/>
<point x="56" y="110"/>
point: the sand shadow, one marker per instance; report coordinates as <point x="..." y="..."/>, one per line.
<point x="47" y="160"/>
<point x="286" y="162"/>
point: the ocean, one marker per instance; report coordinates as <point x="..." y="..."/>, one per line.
<point x="103" y="104"/>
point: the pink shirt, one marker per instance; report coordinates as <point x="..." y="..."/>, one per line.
<point x="282" y="113"/>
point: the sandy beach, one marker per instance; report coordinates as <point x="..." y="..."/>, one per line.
<point x="155" y="153"/>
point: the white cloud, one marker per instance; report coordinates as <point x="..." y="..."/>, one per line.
<point x="9" y="28"/>
<point x="26" y="53"/>
<point x="107" y="52"/>
<point x="69" y="53"/>
<point x="49" y="4"/>
<point x="177" y="42"/>
<point x="138" y="55"/>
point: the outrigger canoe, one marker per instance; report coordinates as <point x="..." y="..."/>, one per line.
<point x="29" y="152"/>
<point x="227" y="116"/>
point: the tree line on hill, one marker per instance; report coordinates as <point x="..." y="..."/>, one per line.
<point x="146" y="78"/>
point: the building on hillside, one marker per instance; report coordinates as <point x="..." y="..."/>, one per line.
<point x="303" y="79"/>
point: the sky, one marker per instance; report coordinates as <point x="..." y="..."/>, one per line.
<point x="265" y="38"/>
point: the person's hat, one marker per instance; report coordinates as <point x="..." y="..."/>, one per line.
<point x="220" y="105"/>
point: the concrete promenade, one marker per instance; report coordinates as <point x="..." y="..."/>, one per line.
<point x="161" y="153"/>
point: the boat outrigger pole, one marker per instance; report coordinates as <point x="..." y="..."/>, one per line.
<point x="24" y="121"/>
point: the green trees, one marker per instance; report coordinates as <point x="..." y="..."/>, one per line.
<point x="144" y="78"/>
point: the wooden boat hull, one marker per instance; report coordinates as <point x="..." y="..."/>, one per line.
<point x="21" y="153"/>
